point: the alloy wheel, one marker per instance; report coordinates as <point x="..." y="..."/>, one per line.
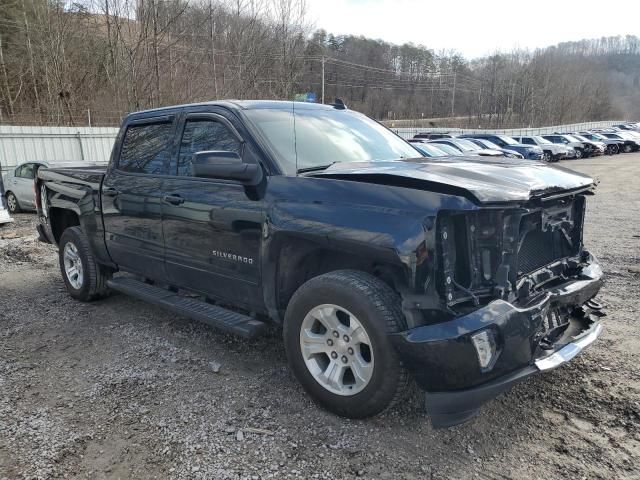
<point x="336" y="349"/>
<point x="73" y="266"/>
<point x="12" y="203"/>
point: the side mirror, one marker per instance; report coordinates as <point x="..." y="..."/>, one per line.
<point x="225" y="166"/>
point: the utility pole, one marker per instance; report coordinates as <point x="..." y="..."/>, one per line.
<point x="213" y="50"/>
<point x="453" y="95"/>
<point x="323" y="79"/>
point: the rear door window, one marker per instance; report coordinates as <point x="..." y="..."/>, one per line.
<point x="27" y="171"/>
<point x="201" y="136"/>
<point x="147" y="149"/>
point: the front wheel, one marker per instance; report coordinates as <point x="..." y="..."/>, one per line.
<point x="579" y="153"/>
<point x="336" y="337"/>
<point x="84" y="277"/>
<point x="12" y="203"/>
<point x="546" y="156"/>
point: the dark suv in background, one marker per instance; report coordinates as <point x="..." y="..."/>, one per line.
<point x="432" y="136"/>
<point x="530" y="152"/>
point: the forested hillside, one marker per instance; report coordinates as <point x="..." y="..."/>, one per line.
<point x="61" y="64"/>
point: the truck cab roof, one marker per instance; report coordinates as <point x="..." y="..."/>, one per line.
<point x="241" y="105"/>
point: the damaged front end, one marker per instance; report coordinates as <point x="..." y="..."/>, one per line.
<point x="515" y="291"/>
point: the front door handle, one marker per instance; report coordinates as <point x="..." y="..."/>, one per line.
<point x="110" y="192"/>
<point x="173" y="199"/>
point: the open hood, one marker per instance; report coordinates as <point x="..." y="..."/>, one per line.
<point x="489" y="180"/>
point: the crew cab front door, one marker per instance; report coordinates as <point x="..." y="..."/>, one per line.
<point x="211" y="228"/>
<point x="132" y="196"/>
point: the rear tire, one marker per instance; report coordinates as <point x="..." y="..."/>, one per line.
<point x="84" y="277"/>
<point x="12" y="203"/>
<point x="579" y="153"/>
<point x="627" y="149"/>
<point x="355" y="376"/>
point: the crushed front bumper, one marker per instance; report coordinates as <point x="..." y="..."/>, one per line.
<point x="444" y="361"/>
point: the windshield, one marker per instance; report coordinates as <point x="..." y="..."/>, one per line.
<point x="580" y="137"/>
<point x="448" y="149"/>
<point x="596" y="136"/>
<point x="541" y="141"/>
<point x="488" y="144"/>
<point x="507" y="140"/>
<point x="320" y="137"/>
<point x="571" y="138"/>
<point x="465" y="145"/>
<point x="430" y="150"/>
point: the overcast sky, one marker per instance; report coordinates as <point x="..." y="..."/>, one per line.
<point x="477" y="27"/>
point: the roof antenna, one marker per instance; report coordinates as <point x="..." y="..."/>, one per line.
<point x="295" y="136"/>
<point x="338" y="104"/>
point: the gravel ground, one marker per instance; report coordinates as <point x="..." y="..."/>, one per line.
<point x="121" y="389"/>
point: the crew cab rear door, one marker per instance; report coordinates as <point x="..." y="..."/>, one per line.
<point x="212" y="229"/>
<point x="132" y="196"/>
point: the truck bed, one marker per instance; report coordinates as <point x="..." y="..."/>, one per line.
<point x="85" y="174"/>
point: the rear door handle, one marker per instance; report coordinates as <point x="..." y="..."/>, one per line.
<point x="173" y="199"/>
<point x="110" y="192"/>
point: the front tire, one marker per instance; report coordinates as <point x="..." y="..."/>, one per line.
<point x="12" y="203"/>
<point x="336" y="335"/>
<point x="84" y="277"/>
<point x="579" y="153"/>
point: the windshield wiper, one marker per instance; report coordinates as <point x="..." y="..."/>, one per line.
<point x="317" y="168"/>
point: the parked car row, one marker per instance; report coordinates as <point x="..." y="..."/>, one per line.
<point x="623" y="138"/>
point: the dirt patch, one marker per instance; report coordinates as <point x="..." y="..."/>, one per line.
<point x="121" y="389"/>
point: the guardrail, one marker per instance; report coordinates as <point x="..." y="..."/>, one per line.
<point x="409" y="132"/>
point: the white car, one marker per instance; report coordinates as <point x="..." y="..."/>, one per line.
<point x="18" y="184"/>
<point x="4" y="214"/>
<point x="552" y="151"/>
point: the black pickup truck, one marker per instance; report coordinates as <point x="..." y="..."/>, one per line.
<point x="467" y="274"/>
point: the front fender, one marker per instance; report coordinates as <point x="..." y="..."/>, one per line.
<point x="387" y="225"/>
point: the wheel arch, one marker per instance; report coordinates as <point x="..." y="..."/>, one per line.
<point x="294" y="261"/>
<point x="60" y="219"/>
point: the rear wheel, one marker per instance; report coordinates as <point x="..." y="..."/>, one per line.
<point x="627" y="149"/>
<point x="579" y="153"/>
<point x="12" y="203"/>
<point x="84" y="277"/>
<point x="546" y="156"/>
<point x="336" y="337"/>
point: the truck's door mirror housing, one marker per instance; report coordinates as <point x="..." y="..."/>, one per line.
<point x="225" y="166"/>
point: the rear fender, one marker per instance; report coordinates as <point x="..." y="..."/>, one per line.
<point x="84" y="201"/>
